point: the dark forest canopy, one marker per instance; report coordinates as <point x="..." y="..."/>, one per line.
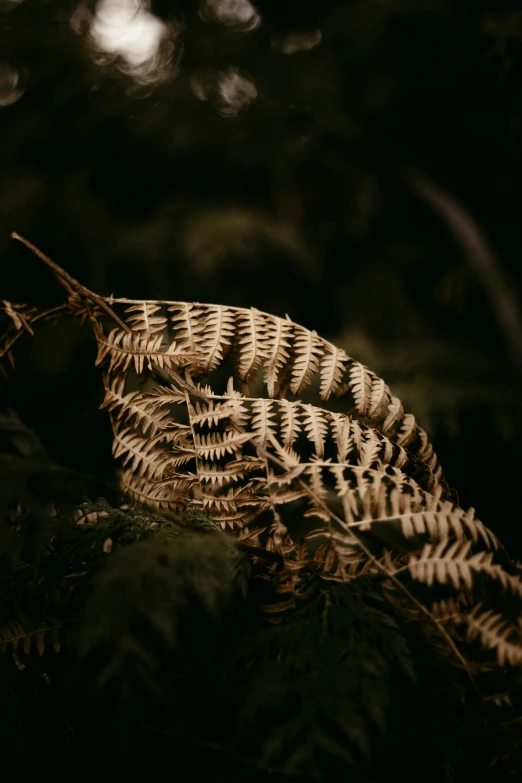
<point x="250" y="154"/>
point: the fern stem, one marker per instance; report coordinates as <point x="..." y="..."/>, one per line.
<point x="70" y="283"/>
<point x="20" y="332"/>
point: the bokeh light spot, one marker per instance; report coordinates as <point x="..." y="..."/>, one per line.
<point x="297" y="41"/>
<point x="237" y="14"/>
<point x="230" y="91"/>
<point x="11" y="88"/>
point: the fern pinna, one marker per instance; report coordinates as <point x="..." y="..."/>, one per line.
<point x="299" y="450"/>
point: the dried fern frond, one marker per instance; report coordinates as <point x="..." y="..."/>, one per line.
<point x="352" y="492"/>
<point x="456" y="565"/>
<point x="159" y="495"/>
<point x="496" y="633"/>
<point x="357" y="468"/>
<point x="22" y="632"/>
<point x="20" y="315"/>
<point x="290" y="358"/>
<point x="138" y="350"/>
<point x="20" y="320"/>
<point x="137" y="408"/>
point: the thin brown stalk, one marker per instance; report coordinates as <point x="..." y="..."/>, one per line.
<point x="70" y="283"/>
<point x="479" y="253"/>
<point x="21" y="332"/>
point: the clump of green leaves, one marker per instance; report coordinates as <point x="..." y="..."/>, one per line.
<point x="322" y="683"/>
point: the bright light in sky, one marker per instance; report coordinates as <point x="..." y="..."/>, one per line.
<point x="127" y="29"/>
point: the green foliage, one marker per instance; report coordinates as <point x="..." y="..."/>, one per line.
<point x="41" y="548"/>
<point x="318" y="689"/>
<point x="154" y="598"/>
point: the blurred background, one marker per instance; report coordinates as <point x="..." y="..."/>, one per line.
<point x="355" y="164"/>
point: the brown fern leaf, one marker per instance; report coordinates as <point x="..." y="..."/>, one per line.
<point x="359" y="461"/>
<point x="289" y="355"/>
<point x="139" y="454"/>
<point x="450" y="609"/>
<point x="394" y="414"/>
<point x="316" y="427"/>
<point x="239" y="413"/>
<point x="333" y="368"/>
<point x="21" y="320"/>
<point x="496" y="633"/>
<point x="221" y="476"/>
<point x="361" y="380"/>
<point x="138" y="350"/>
<point x="308" y="349"/>
<point x="380" y="399"/>
<point x="253" y="343"/>
<point x="19" y="315"/>
<point x="424" y="513"/>
<point x="21" y="631"/>
<point x="290" y="423"/>
<point x="135" y="408"/>
<point x="262" y="420"/>
<point x="144" y="318"/>
<point x="216" y="445"/>
<point x="210" y="413"/>
<point x="408" y="430"/>
<point x="455" y="565"/>
<point x="314" y="472"/>
<point x="371" y="448"/>
<point x="158" y="494"/>
<point x="217" y="336"/>
<point x="235" y="487"/>
<point x="279" y="337"/>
